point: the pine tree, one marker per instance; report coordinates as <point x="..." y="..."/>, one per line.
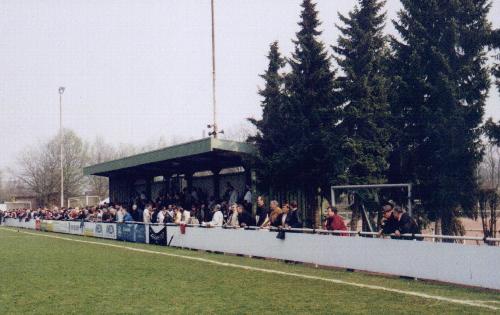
<point x="362" y="53"/>
<point x="270" y="135"/>
<point x="311" y="107"/>
<point x="439" y="97"/>
<point x="365" y="124"/>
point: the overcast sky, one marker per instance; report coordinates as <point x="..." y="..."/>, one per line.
<point x="138" y="70"/>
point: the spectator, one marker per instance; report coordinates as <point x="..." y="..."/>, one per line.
<point x="262" y="212"/>
<point x="334" y="222"/>
<point x="244" y="218"/>
<point x="217" y="218"/>
<point x="154" y="215"/>
<point x="389" y="222"/>
<point x="247" y="199"/>
<point x="282" y="218"/>
<point x="406" y="224"/>
<point x="170" y="216"/>
<point x="186" y="216"/>
<point x="106" y="216"/>
<point x="160" y="218"/>
<point x="232" y="220"/>
<point x="146" y="216"/>
<point x="272" y="218"/>
<point x="119" y="214"/>
<point x="195" y="216"/>
<point x="136" y="213"/>
<point x="294" y="220"/>
<point x="126" y="216"/>
<point x="112" y="213"/>
<point x="178" y="215"/>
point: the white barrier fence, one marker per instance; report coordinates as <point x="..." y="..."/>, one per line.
<point x="448" y="262"/>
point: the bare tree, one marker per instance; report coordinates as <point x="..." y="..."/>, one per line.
<point x="39" y="168"/>
<point x="489" y="171"/>
<point x="99" y="152"/>
<point x="489" y="176"/>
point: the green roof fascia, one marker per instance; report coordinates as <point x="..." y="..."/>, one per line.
<point x="174" y="152"/>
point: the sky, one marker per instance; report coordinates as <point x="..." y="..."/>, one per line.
<point x="136" y="70"/>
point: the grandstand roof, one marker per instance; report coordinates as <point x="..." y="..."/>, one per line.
<point x="200" y="155"/>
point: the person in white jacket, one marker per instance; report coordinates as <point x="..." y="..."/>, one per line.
<point x="186" y="215"/>
<point x="146" y="215"/>
<point x="217" y="219"/>
<point x="161" y="215"/>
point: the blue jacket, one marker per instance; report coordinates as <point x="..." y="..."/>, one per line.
<point x="127" y="218"/>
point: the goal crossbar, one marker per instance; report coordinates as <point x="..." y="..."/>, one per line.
<point x="404" y="185"/>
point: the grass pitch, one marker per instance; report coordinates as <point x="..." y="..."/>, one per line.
<point x="45" y="275"/>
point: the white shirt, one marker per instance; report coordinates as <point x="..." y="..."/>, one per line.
<point x="283" y="218"/>
<point x="146" y="216"/>
<point x="119" y="216"/>
<point x="248" y="197"/>
<point x="160" y="217"/>
<point x="217" y="220"/>
<point x="185" y="216"/>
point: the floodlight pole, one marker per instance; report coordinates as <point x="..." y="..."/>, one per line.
<point x="61" y="139"/>
<point x="214" y="125"/>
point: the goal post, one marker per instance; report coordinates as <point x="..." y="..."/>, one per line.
<point x="408" y="186"/>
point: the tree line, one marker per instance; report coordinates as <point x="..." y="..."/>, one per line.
<point x="374" y="108"/>
<point x="37" y="170"/>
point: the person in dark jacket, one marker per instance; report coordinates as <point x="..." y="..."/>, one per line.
<point x="262" y="211"/>
<point x="136" y="213"/>
<point x="389" y="222"/>
<point x="244" y="218"/>
<point x="406" y="224"/>
<point x="293" y="218"/>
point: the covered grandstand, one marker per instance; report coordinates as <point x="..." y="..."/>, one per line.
<point x="208" y="163"/>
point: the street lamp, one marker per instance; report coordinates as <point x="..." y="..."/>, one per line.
<point x="214" y="125"/>
<point x="61" y="139"/>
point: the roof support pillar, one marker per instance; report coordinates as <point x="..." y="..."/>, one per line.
<point x="189" y="180"/>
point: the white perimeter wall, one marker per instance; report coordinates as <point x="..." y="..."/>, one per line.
<point x="455" y="263"/>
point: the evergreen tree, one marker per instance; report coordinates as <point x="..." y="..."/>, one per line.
<point x="270" y="135"/>
<point x="439" y="96"/>
<point x="362" y="52"/>
<point x="311" y="107"/>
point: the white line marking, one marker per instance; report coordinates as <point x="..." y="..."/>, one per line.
<point x="475" y="303"/>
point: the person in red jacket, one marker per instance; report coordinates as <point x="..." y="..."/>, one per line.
<point x="334" y="222"/>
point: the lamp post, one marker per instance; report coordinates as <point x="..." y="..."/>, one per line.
<point x="61" y="139"/>
<point x="215" y="130"/>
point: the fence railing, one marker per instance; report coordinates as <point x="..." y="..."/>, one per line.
<point x="433" y="237"/>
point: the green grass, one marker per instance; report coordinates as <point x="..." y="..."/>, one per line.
<point x="52" y="276"/>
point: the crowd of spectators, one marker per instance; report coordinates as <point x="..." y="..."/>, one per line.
<point x="190" y="206"/>
<point x="193" y="208"/>
<point x="223" y="214"/>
